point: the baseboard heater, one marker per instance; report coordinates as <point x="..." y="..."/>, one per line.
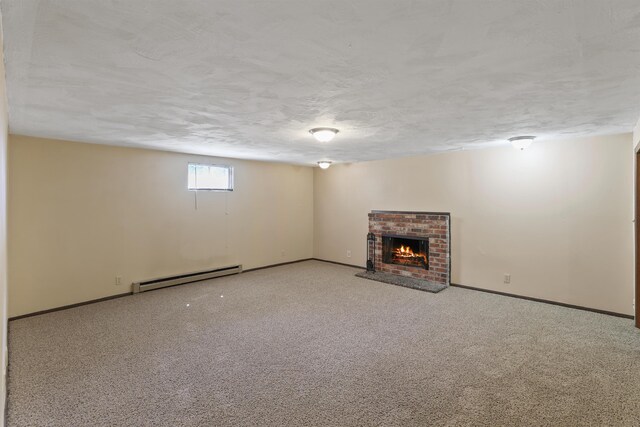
<point x="196" y="276"/>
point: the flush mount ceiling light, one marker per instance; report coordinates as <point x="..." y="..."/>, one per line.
<point x="324" y="134"/>
<point x="521" y="142"/>
<point x="324" y="164"/>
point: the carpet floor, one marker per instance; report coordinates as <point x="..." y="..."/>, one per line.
<point x="310" y="344"/>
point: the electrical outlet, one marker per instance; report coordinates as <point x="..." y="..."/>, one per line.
<point x="507" y="278"/>
<point x="348" y="253"/>
<point x="118" y="280"/>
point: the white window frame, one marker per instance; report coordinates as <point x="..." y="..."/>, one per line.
<point x="229" y="169"/>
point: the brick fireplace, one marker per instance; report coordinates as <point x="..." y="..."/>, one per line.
<point x="412" y="244"/>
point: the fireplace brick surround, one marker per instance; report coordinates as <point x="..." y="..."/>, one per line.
<point x="434" y="226"/>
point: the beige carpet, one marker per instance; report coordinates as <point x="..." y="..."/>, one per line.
<point x="309" y="344"/>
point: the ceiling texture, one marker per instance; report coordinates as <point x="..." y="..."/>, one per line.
<point x="249" y="78"/>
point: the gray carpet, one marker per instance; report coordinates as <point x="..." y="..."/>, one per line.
<point x="310" y="344"/>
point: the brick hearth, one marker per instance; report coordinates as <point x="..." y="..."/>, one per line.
<point x="434" y="226"/>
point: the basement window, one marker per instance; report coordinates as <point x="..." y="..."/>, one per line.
<point x="210" y="177"/>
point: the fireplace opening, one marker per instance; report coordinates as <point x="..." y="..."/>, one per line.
<point x="408" y="251"/>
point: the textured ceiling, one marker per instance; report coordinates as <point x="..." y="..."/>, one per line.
<point x="248" y="78"/>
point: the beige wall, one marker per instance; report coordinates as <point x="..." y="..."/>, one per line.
<point x="3" y="231"/>
<point x="636" y="145"/>
<point x="82" y="214"/>
<point x="557" y="217"/>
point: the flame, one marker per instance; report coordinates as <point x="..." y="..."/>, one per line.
<point x="405" y="255"/>
<point x="405" y="252"/>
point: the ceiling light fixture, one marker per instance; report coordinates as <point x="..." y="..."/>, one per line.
<point x="324" y="134"/>
<point x="324" y="164"/>
<point x="521" y="142"/>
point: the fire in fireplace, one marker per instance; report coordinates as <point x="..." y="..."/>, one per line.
<point x="404" y="250"/>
